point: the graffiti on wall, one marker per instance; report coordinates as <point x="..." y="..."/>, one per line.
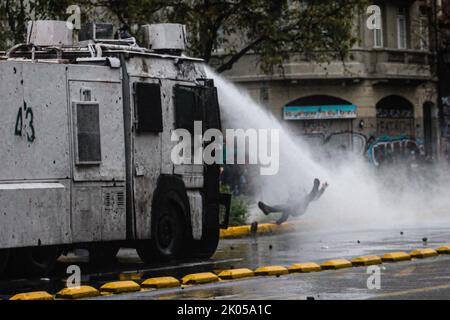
<point x="388" y="149"/>
<point x="378" y="150"/>
<point x="446" y="116"/>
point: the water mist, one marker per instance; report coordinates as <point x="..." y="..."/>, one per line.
<point x="359" y="195"/>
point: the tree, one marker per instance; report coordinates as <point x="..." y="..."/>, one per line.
<point x="271" y="29"/>
<point x="14" y="15"/>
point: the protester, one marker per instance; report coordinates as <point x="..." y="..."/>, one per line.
<point x="295" y="207"/>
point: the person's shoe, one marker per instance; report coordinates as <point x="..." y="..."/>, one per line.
<point x="264" y="208"/>
<point x="316" y="184"/>
<point x="315" y="188"/>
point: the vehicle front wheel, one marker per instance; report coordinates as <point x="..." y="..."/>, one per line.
<point x="207" y="246"/>
<point x="168" y="235"/>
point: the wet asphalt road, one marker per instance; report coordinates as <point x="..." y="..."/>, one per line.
<point x="311" y="242"/>
<point x="417" y="279"/>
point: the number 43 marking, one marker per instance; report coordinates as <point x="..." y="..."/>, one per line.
<point x="29" y="127"/>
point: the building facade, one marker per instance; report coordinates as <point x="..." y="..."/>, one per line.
<point x="444" y="73"/>
<point x="382" y="99"/>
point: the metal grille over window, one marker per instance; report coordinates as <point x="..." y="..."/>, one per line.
<point x="88" y="133"/>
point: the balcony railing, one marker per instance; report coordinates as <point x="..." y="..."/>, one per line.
<point x="360" y="63"/>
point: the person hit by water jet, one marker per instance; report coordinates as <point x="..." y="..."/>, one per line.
<point x="296" y="206"/>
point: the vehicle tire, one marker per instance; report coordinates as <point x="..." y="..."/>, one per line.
<point x="4" y="259"/>
<point x="36" y="261"/>
<point x="103" y="253"/>
<point x="168" y="232"/>
<point x="207" y="246"/>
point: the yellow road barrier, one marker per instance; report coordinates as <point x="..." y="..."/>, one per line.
<point x="336" y="264"/>
<point x="396" y="256"/>
<point x="161" y="282"/>
<point x="264" y="228"/>
<point x="236" y="274"/>
<point x="304" y="267"/>
<point x="443" y="250"/>
<point x="366" y="261"/>
<point x="271" y="271"/>
<point x="200" y="278"/>
<point x="120" y="287"/>
<point x="235" y="232"/>
<point x="78" y="293"/>
<point x="424" y="253"/>
<point x="30" y="296"/>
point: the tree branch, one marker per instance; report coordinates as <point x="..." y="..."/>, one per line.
<point x="229" y="64"/>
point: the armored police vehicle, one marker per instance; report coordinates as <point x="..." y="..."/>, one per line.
<point x="85" y="145"/>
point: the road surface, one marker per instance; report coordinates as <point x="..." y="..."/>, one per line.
<point x="418" y="279"/>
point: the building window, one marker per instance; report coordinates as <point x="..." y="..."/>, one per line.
<point x="424" y="34"/>
<point x="378" y="35"/>
<point x="401" y="29"/>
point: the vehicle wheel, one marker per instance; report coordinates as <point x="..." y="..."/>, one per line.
<point x="207" y="246"/>
<point x="168" y="234"/>
<point x="34" y="261"/>
<point x="103" y="253"/>
<point x="4" y="258"/>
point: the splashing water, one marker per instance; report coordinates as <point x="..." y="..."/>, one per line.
<point x="358" y="196"/>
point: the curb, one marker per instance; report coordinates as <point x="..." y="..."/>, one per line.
<point x="118" y="287"/>
<point x="263" y="229"/>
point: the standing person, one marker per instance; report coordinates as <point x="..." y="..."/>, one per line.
<point x="295" y="207"/>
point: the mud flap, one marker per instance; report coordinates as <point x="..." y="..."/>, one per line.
<point x="225" y="201"/>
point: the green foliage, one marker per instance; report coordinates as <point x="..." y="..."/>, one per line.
<point x="238" y="210"/>
<point x="271" y="29"/>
